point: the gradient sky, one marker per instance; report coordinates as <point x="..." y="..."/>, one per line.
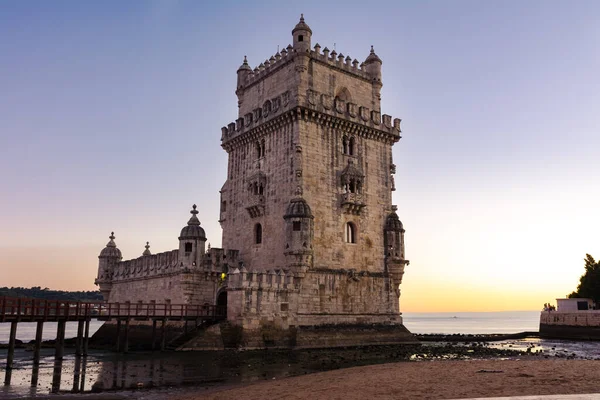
<point x="110" y="117"/>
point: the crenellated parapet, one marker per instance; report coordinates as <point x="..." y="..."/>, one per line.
<point x="275" y="280"/>
<point x="148" y="266"/>
<point x="325" y="108"/>
<point x="330" y="58"/>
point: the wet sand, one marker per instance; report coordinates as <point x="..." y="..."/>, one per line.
<point x="425" y="380"/>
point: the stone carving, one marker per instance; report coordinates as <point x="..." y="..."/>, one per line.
<point x="340" y="105"/>
<point x="285" y="98"/>
<point x="266" y="109"/>
<point x="327" y="101"/>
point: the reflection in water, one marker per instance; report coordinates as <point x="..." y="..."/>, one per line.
<point x="56" y="375"/>
<point x="112" y="371"/>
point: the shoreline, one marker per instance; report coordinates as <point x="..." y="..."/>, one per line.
<point x="218" y="371"/>
<point x="441" y="379"/>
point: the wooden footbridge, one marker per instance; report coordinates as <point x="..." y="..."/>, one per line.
<point x="14" y="310"/>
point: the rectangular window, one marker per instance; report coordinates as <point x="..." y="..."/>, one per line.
<point x="188" y="247"/>
<point x="297" y="226"/>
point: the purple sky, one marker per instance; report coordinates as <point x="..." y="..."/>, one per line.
<point x="110" y="117"/>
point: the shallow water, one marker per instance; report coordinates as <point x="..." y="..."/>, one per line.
<point x="26" y="330"/>
<point x="473" y="322"/>
<point x="105" y="371"/>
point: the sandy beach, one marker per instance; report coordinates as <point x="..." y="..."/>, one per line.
<point x="426" y="380"/>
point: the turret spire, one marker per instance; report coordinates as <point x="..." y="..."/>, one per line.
<point x="111" y="243"/>
<point x="147" y="251"/>
<point x="194" y="219"/>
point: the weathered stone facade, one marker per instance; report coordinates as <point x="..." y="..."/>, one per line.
<point x="311" y="236"/>
<point x="188" y="275"/>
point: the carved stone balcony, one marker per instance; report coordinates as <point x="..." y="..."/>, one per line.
<point x="352" y="203"/>
<point x="257" y="206"/>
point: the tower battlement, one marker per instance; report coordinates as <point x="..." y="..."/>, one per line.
<point x="329" y="57"/>
<point x="323" y="107"/>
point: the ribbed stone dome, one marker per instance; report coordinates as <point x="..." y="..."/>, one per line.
<point x="373" y="57"/>
<point x="302" y="25"/>
<point x="193" y="229"/>
<point x="392" y="223"/>
<point x="245" y="65"/>
<point x="298" y="208"/>
<point x="111" y="249"/>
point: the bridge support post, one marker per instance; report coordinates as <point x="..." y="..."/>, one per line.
<point x="153" y="334"/>
<point x="163" y="335"/>
<point x="118" y="349"/>
<point x="79" y="340"/>
<point x="76" y="374"/>
<point x="11" y="352"/>
<point x="86" y="337"/>
<point x="126" y="341"/>
<point x="36" y="353"/>
<point x="60" y="340"/>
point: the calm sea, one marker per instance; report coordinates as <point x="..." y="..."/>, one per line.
<point x="473" y="322"/>
<point x="176" y="370"/>
<point x="447" y="323"/>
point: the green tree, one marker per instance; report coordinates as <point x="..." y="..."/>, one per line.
<point x="589" y="283"/>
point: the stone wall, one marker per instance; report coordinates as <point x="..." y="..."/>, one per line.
<point x="580" y="325"/>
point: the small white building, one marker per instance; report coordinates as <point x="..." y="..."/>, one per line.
<point x="574" y="304"/>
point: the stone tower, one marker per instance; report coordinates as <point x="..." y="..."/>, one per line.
<point x="308" y="196"/>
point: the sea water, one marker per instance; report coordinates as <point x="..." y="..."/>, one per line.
<point x="472" y="322"/>
<point x="26" y="330"/>
<point x="112" y="371"/>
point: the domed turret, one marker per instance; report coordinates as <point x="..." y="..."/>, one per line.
<point x="193" y="229"/>
<point x="373" y="66"/>
<point x="302" y="35"/>
<point x="111" y="250"/>
<point x="298" y="208"/>
<point x="299" y="233"/>
<point x="109" y="257"/>
<point x="242" y="73"/>
<point x="393" y="223"/>
<point x="191" y="242"/>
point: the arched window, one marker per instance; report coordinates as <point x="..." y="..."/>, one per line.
<point x="258" y="150"/>
<point x="262" y="148"/>
<point x="345" y="145"/>
<point x="351" y="146"/>
<point x="258" y="233"/>
<point x="350" y="233"/>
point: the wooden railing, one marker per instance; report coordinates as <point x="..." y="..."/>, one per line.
<point x="27" y="309"/>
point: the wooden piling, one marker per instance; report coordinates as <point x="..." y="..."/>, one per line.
<point x="86" y="337"/>
<point x="118" y="349"/>
<point x="126" y="342"/>
<point x="153" y="334"/>
<point x="11" y="352"/>
<point x="79" y="340"/>
<point x="60" y="340"/>
<point x="163" y="335"/>
<point x="36" y="353"/>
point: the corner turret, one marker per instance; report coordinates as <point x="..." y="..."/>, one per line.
<point x="372" y="66"/>
<point x="242" y="78"/>
<point x="299" y="233"/>
<point x="301" y="36"/>
<point x="109" y="257"/>
<point x="191" y="242"/>
<point x="394" y="248"/>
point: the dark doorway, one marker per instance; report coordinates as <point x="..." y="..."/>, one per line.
<point x="222" y="298"/>
<point x="222" y="304"/>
